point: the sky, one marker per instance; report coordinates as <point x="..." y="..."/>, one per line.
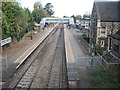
<point x="63" y="7"/>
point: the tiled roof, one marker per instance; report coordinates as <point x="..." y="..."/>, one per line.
<point x="108" y="11"/>
<point x="116" y="36"/>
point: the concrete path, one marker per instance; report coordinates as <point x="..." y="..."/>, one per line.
<point x="77" y="67"/>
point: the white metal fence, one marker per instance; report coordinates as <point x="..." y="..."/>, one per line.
<point x="4" y="62"/>
<point x="101" y="61"/>
<point x="97" y="61"/>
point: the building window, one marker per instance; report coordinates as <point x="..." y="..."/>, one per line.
<point x="103" y="30"/>
<point x="116" y="47"/>
<point x="102" y="43"/>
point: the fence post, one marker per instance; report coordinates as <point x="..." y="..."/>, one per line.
<point x="6" y="60"/>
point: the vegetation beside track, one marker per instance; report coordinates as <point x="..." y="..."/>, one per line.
<point x="17" y="21"/>
<point x="101" y="79"/>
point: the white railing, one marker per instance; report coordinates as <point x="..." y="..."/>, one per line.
<point x="106" y="65"/>
<point x="4" y="62"/>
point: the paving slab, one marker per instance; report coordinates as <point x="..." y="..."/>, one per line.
<point x="73" y="54"/>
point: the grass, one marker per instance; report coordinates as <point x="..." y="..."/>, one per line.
<point x="102" y="79"/>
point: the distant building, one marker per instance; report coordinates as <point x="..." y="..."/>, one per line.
<point x="85" y="23"/>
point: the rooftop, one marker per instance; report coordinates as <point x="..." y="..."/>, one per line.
<point x="108" y="11"/>
<point x="116" y="36"/>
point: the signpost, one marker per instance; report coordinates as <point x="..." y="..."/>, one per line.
<point x="5" y="41"/>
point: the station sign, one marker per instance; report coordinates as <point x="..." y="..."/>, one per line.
<point x="5" y="41"/>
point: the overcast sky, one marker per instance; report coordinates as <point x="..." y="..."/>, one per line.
<point x="64" y="7"/>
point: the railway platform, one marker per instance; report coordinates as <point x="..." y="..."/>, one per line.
<point x="76" y="67"/>
<point x="18" y="58"/>
<point x="45" y="66"/>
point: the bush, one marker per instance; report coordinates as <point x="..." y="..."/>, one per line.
<point x="102" y="79"/>
<point x="98" y="49"/>
<point x="84" y="35"/>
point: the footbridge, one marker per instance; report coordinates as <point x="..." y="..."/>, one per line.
<point x="56" y="20"/>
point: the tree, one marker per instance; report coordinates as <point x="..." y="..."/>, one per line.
<point x="0" y="20"/>
<point x="37" y="5"/>
<point x="74" y="18"/>
<point x="0" y="9"/>
<point x="10" y="10"/>
<point x="65" y="16"/>
<point x="16" y="21"/>
<point x="86" y="16"/>
<point x="78" y="17"/>
<point x="39" y="12"/>
<point x="23" y="22"/>
<point x="48" y="8"/>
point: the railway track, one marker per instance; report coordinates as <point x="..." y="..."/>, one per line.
<point x="48" y="69"/>
<point x="57" y="75"/>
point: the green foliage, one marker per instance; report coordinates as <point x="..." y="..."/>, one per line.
<point x="78" y="17"/>
<point x="37" y="5"/>
<point x="48" y="8"/>
<point x="38" y="13"/>
<point x="65" y="16"/>
<point x="102" y="79"/>
<point x="0" y="9"/>
<point x="16" y="20"/>
<point x="108" y="56"/>
<point x="0" y="20"/>
<point x="84" y="35"/>
<point x="10" y="10"/>
<point x="86" y="16"/>
<point x="98" y="49"/>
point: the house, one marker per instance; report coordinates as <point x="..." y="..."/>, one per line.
<point x="83" y="24"/>
<point x="114" y="44"/>
<point x="104" y="14"/>
<point x="105" y="20"/>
